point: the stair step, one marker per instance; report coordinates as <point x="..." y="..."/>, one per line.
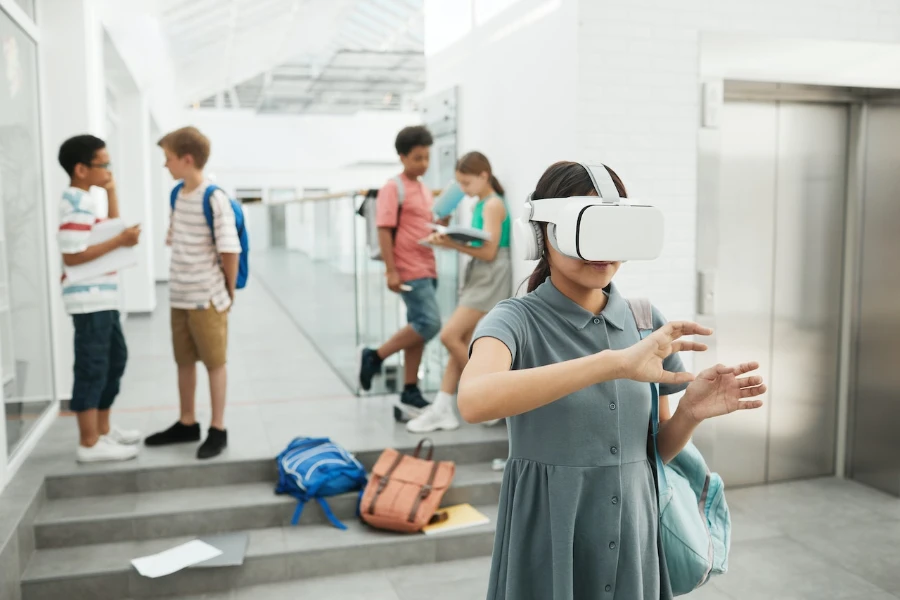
<point x="207" y="510"/>
<point x="104" y="571"/>
<point x="104" y="480"/>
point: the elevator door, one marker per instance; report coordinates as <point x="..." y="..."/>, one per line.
<point x="780" y="214"/>
<point x="875" y="445"/>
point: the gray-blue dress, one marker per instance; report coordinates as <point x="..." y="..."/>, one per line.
<point x="578" y="517"/>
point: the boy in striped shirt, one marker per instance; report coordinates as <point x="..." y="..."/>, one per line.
<point x="100" y="350"/>
<point x="202" y="278"/>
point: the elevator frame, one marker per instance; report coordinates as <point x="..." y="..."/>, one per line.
<point x="859" y="101"/>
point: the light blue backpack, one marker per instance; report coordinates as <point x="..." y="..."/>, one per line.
<point x="694" y="522"/>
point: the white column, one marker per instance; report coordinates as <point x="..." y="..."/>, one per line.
<point x="160" y="186"/>
<point x="73" y="101"/>
<point x="136" y="202"/>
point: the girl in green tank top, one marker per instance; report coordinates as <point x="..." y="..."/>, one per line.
<point x="487" y="281"/>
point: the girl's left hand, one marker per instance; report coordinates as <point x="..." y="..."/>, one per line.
<point x="719" y="391"/>
<point x="440" y="240"/>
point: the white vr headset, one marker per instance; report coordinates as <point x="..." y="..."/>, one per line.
<point x="601" y="228"/>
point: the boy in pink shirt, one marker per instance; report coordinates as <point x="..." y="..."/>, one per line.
<point x="409" y="268"/>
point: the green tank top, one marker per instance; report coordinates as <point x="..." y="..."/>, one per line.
<point x="478" y="220"/>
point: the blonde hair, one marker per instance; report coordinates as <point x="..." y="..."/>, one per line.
<point x="187" y="141"/>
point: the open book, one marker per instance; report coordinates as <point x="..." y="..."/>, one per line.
<point x="463" y="235"/>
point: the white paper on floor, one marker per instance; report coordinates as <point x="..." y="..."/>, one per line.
<point x="175" y="559"/>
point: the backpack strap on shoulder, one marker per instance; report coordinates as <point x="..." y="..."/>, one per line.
<point x="642" y="310"/>
<point x="401" y="191"/>
<point x="207" y="207"/>
<point x="401" y="196"/>
<point x="643" y="315"/>
<point x="174" y="195"/>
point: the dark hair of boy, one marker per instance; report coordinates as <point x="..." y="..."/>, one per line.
<point x="79" y="150"/>
<point x="411" y="137"/>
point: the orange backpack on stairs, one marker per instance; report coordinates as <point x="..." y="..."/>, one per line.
<point x="404" y="492"/>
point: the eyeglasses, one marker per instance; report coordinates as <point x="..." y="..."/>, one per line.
<point x="105" y="165"/>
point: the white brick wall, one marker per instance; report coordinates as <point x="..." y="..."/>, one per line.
<point x="638" y="102"/>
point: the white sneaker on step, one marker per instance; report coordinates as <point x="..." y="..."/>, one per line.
<point x="105" y="450"/>
<point x="432" y="419"/>
<point x="124" y="436"/>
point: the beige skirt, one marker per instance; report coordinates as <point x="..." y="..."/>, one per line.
<point x="487" y="283"/>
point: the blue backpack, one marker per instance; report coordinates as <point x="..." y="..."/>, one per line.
<point x="317" y="467"/>
<point x="243" y="265"/>
<point x="694" y="521"/>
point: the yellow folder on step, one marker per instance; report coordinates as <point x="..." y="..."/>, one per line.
<point x="457" y="517"/>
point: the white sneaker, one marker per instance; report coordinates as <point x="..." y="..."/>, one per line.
<point x="105" y="450"/>
<point x="408" y="411"/>
<point x="126" y="437"/>
<point x="491" y="423"/>
<point x="432" y="419"/>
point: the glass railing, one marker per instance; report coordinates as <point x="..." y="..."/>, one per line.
<point x="320" y="272"/>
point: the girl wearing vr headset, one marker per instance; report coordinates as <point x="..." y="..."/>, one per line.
<point x="487" y="281"/>
<point x="578" y="515"/>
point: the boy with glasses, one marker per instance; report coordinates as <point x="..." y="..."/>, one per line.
<point x="100" y="350"/>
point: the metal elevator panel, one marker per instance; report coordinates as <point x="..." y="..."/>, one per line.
<point x="777" y="283"/>
<point x="743" y="282"/>
<point x="875" y="396"/>
<point x="808" y="277"/>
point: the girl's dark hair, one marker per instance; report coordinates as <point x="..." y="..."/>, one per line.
<point x="563" y="180"/>
<point x="476" y="163"/>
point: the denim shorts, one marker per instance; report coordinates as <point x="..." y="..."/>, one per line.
<point x="422" y="311"/>
<point x="100" y="358"/>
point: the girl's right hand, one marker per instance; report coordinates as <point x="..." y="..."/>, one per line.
<point x="644" y="360"/>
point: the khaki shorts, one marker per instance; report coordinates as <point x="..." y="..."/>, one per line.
<point x="200" y="335"/>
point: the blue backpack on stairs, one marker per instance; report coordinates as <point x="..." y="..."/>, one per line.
<point x="315" y="468"/>
<point x="694" y="521"/>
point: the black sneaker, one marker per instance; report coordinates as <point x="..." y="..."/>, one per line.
<point x="411" y="404"/>
<point x="369" y="366"/>
<point x="216" y="441"/>
<point x="179" y="433"/>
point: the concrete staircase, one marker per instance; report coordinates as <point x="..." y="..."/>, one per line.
<point x="91" y="525"/>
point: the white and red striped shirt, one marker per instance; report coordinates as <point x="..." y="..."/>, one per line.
<point x="77" y="216"/>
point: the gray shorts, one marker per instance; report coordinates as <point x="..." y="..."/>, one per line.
<point x="487" y="283"/>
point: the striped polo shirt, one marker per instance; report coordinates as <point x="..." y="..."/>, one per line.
<point x="195" y="275"/>
<point x="77" y="216"/>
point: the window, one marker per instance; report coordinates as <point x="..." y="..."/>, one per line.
<point x="26" y="365"/>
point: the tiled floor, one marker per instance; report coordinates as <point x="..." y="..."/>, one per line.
<point x="818" y="539"/>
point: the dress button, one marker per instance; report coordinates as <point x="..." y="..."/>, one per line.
<point x="612" y="406"/>
<point x="614" y="450"/>
<point x="596" y="321"/>
<point x="615" y="499"/>
<point x="608" y="588"/>
<point x="612" y="545"/>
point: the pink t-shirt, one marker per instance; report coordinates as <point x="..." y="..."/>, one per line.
<point x="412" y="259"/>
